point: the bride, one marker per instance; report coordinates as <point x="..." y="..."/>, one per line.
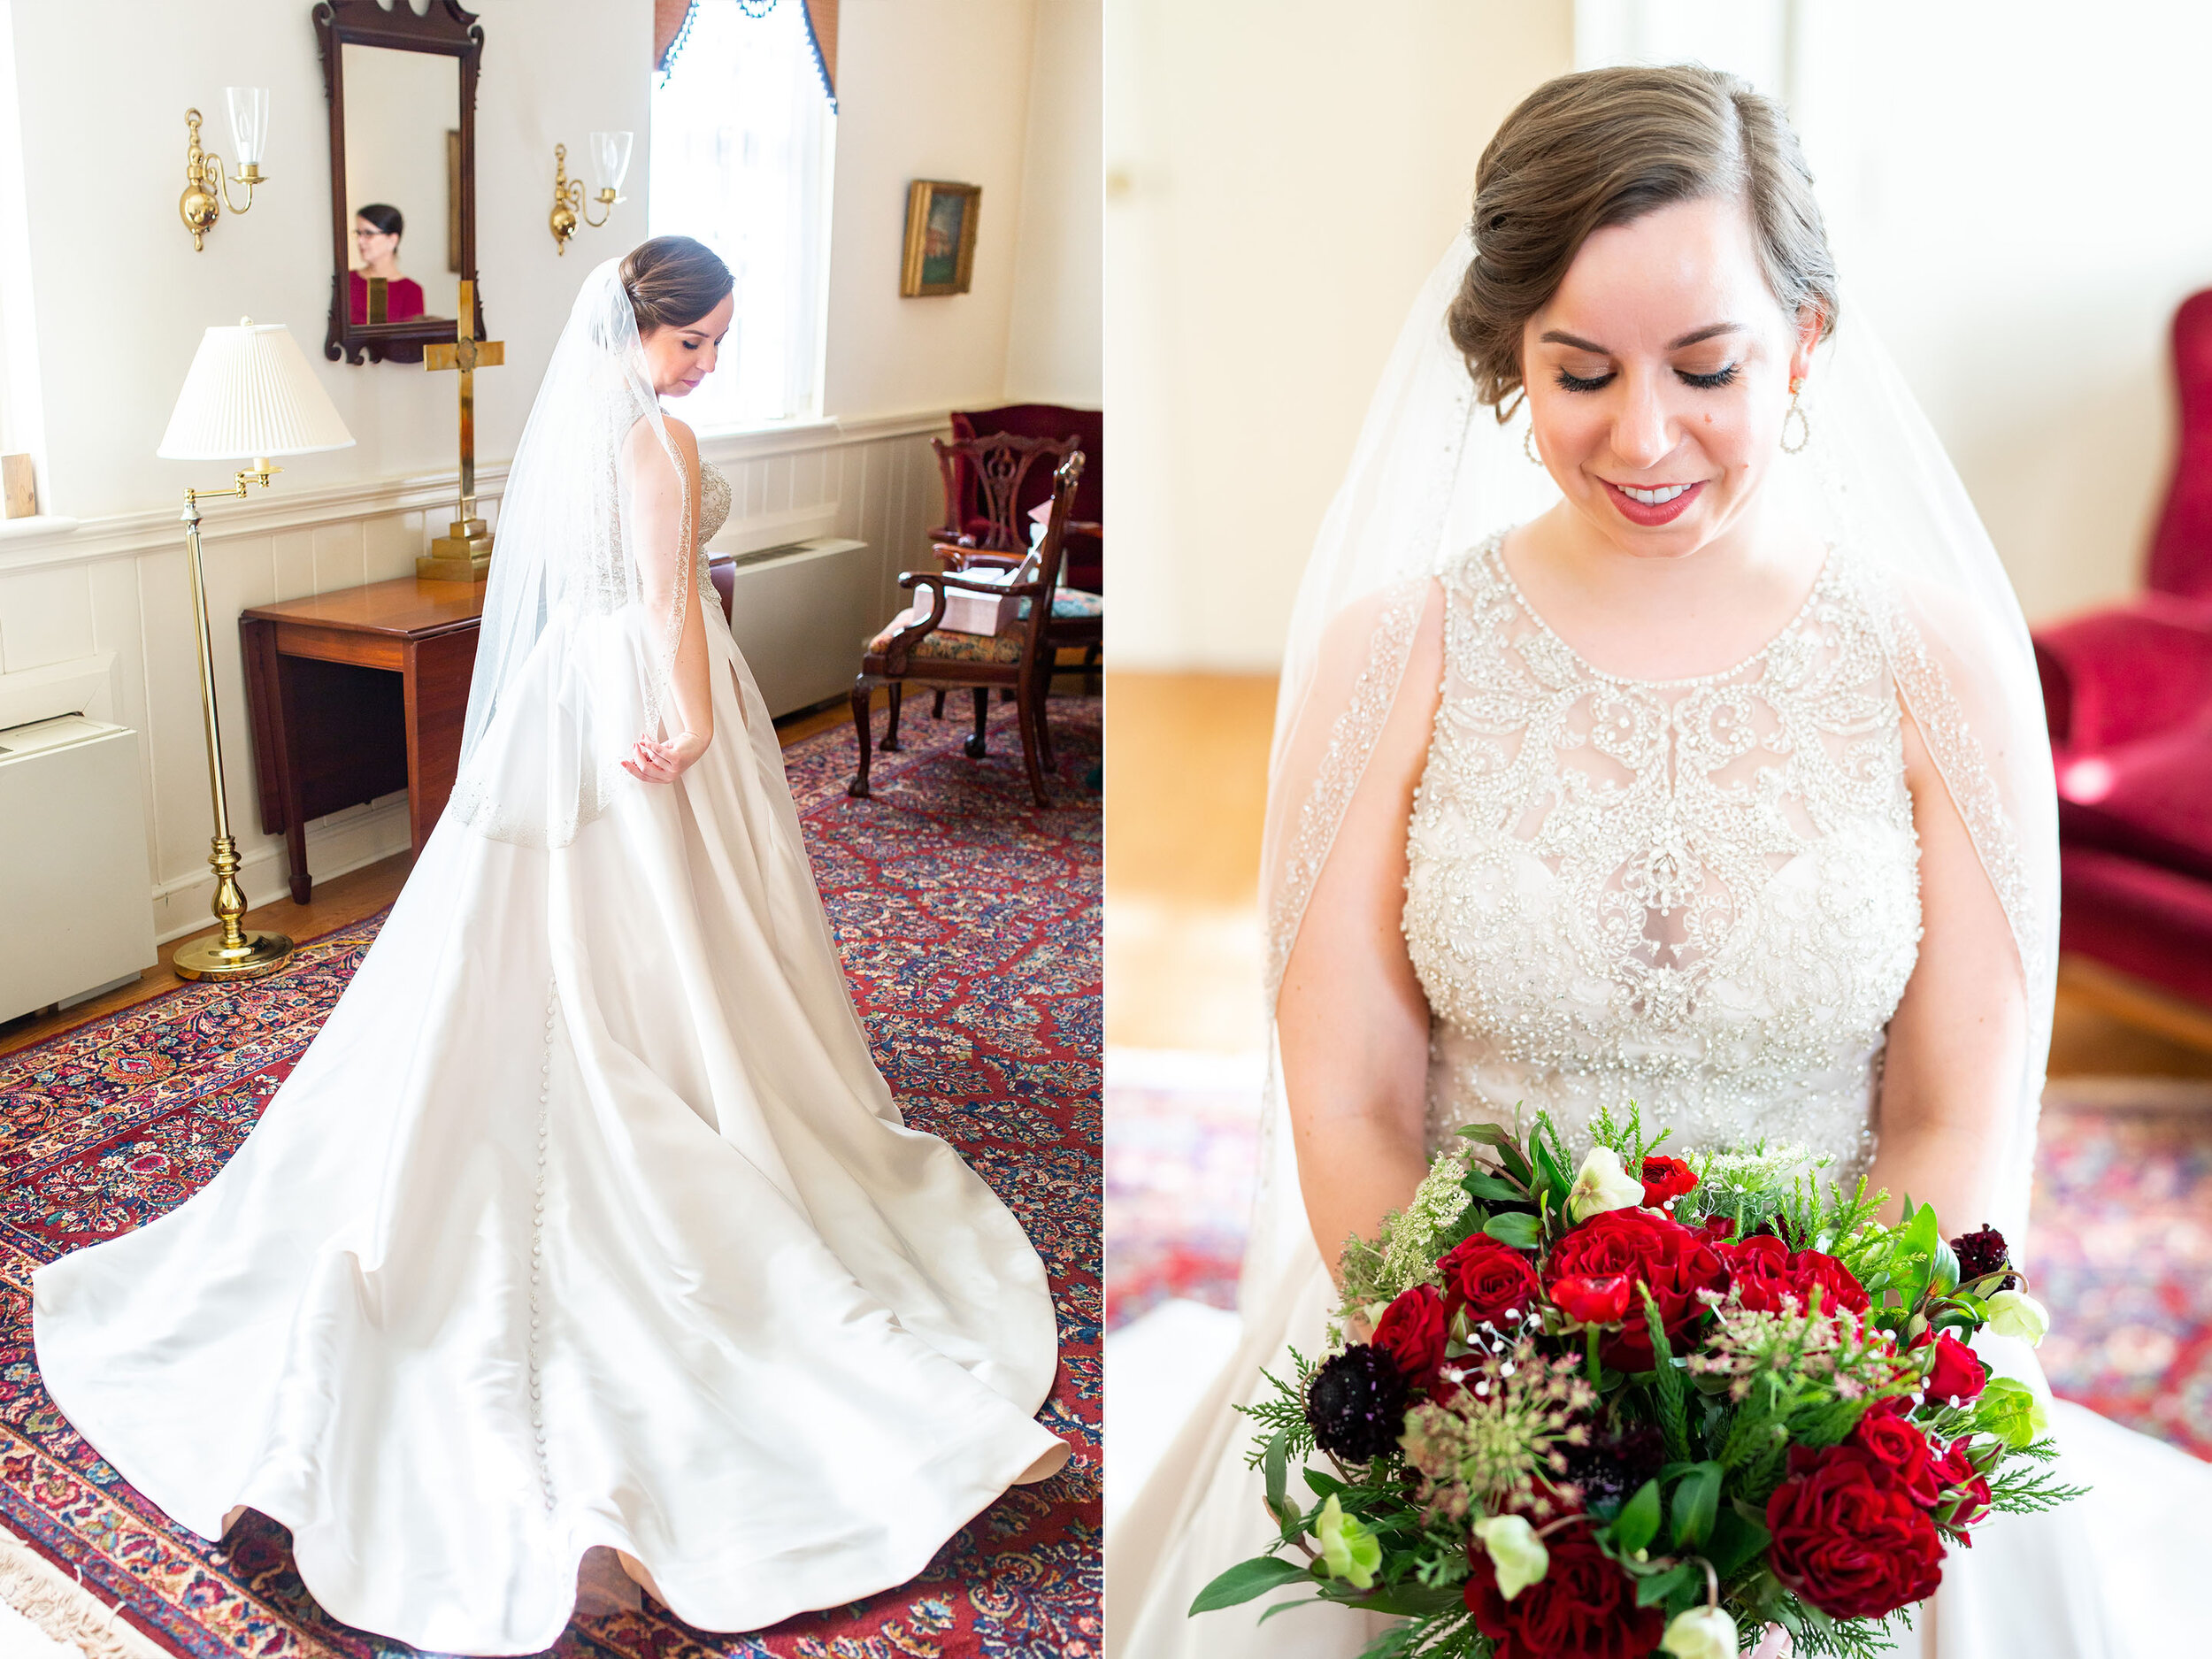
<point x="1684" y="748"/>
<point x="587" y="1224"/>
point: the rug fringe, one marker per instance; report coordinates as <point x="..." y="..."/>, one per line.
<point x="64" y="1609"/>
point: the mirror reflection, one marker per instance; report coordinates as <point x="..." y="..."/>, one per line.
<point x="401" y="112"/>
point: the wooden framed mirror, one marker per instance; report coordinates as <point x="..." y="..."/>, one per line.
<point x="401" y="78"/>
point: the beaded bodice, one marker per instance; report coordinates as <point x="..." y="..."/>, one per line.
<point x="1699" y="895"/>
<point x="714" y="513"/>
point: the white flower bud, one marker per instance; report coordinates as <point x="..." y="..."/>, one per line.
<point x="2016" y="1313"/>
<point x="1602" y="1184"/>
<point x="1703" y="1633"/>
<point x="1515" y="1551"/>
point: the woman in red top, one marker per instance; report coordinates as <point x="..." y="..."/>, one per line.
<point x="376" y="233"/>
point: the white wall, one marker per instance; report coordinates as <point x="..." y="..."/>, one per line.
<point x="1052" y="352"/>
<point x="101" y="265"/>
<point x="1281" y="174"/>
<point x="927" y="89"/>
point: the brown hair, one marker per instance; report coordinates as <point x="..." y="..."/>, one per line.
<point x="673" y="282"/>
<point x="1605" y="147"/>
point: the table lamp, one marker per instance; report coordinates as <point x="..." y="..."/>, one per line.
<point x="249" y="395"/>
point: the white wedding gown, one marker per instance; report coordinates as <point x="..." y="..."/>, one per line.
<point x="1701" y="896"/>
<point x="586" y="1220"/>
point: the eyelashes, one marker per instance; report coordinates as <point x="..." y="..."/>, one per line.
<point x="1703" y="382"/>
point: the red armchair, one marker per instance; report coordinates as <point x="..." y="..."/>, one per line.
<point x="2128" y="695"/>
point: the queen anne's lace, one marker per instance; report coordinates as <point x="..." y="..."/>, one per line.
<point x="1699" y="895"/>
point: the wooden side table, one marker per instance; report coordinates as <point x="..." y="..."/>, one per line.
<point x="355" y="693"/>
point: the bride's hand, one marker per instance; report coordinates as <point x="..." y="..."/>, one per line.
<point x="654" y="762"/>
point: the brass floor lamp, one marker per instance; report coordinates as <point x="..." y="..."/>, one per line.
<point x="249" y="395"/>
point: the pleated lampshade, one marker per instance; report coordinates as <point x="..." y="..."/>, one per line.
<point x="250" y="395"/>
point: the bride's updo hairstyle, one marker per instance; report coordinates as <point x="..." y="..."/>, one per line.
<point x="1605" y="147"/>
<point x="673" y="282"/>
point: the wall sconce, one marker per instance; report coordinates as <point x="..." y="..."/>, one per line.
<point x="609" y="155"/>
<point x="206" y="191"/>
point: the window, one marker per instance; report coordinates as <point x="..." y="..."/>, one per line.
<point x="742" y="139"/>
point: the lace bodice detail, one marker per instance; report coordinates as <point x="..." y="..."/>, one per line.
<point x="1701" y="895"/>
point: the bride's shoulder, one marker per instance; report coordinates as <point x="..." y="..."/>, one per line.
<point x="645" y="453"/>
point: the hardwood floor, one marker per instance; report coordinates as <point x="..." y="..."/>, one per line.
<point x="339" y="902"/>
<point x="1185" y="791"/>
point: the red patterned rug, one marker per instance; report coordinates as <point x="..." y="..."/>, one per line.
<point x="969" y="923"/>
<point x="2120" y="1246"/>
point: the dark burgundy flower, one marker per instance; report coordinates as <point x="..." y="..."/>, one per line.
<point x="1666" y="1177"/>
<point x="1981" y="1253"/>
<point x="1491" y="1281"/>
<point x="1356" y="1403"/>
<point x="1673" y="1262"/>
<point x="1612" y="1466"/>
<point x="1848" y="1536"/>
<point x="1583" y="1608"/>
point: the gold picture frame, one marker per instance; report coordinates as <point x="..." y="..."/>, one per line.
<point x="941" y="220"/>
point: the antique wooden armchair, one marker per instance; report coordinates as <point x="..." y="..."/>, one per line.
<point x="1019" y="659"/>
<point x="987" y="505"/>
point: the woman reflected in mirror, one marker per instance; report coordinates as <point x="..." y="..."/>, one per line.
<point x="377" y="229"/>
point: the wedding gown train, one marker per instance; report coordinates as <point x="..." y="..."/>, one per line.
<point x="1701" y="896"/>
<point x="586" y="1221"/>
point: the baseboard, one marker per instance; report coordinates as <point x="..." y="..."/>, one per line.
<point x="342" y="841"/>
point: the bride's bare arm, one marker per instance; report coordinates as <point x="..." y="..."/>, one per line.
<point x="1950" y="1080"/>
<point x="658" y="492"/>
<point x="1352" y="1022"/>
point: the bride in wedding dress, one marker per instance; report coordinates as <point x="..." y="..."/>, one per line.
<point x="587" y="1225"/>
<point x="1657" y="726"/>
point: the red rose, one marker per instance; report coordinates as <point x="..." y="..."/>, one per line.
<point x="1412" y="1331"/>
<point x="1954" y="1474"/>
<point x="1583" y="1608"/>
<point x="1666" y="1177"/>
<point x="1759" y="1267"/>
<point x="1957" y="1374"/>
<point x="1902" y="1449"/>
<point x="1719" y="1228"/>
<point x="1673" y="1261"/>
<point x="1840" y="1291"/>
<point x="1848" y="1536"/>
<point x="1492" y="1281"/>
<point x="1594" y="1301"/>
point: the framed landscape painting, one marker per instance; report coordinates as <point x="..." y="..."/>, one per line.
<point x="940" y="237"/>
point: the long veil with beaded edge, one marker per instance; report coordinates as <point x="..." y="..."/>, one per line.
<point x="1432" y="474"/>
<point x="586" y="1222"/>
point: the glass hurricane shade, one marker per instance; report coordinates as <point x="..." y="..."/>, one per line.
<point x="249" y="395"/>
<point x="609" y="155"/>
<point x="248" y="123"/>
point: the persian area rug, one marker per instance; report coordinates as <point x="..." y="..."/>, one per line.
<point x="968" y="924"/>
<point x="2120" y="1248"/>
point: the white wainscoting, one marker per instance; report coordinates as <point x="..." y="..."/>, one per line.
<point x="74" y="593"/>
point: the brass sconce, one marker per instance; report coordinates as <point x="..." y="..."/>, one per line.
<point x="610" y="161"/>
<point x="206" y="189"/>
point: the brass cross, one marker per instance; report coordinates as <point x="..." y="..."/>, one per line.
<point x="463" y="554"/>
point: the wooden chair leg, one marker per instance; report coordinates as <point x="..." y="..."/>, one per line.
<point x="858" y="787"/>
<point x="976" y="746"/>
<point x="1031" y="728"/>
<point x="1038" y="691"/>
<point x="937" y="710"/>
<point x="894" y="696"/>
<point x="1090" y="669"/>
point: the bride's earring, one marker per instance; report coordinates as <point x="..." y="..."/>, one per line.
<point x="1804" y="426"/>
<point x="1528" y="446"/>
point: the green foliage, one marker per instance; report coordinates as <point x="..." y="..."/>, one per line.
<point x="1247" y="1580"/>
<point x="2017" y="1491"/>
<point x="1284" y="1416"/>
<point x="1626" y="1139"/>
<point x="1672" y="1394"/>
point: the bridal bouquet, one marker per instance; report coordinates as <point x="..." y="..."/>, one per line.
<point x="1644" y="1405"/>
